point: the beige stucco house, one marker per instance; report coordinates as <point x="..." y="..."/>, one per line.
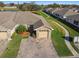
<point x="10" y="20"/>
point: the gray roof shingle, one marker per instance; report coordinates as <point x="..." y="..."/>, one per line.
<point x="10" y="19"/>
<point x="74" y="17"/>
<point x="61" y="11"/>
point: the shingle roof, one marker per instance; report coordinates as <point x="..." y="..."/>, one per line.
<point x="61" y="11"/>
<point x="66" y="12"/>
<point x="10" y="19"/>
<point x="74" y="17"/>
<point x="53" y="9"/>
<point x="25" y="18"/>
<point x="38" y="24"/>
<point x="70" y="12"/>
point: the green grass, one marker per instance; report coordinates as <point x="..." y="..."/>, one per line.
<point x="57" y="36"/>
<point x="69" y="28"/>
<point x="71" y="31"/>
<point x="12" y="9"/>
<point x="13" y="47"/>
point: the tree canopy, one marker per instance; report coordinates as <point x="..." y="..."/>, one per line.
<point x="29" y="7"/>
<point x="2" y="4"/>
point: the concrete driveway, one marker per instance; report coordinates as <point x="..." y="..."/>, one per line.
<point x="34" y="48"/>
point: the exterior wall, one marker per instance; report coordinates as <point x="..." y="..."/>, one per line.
<point x="48" y="34"/>
<point x="75" y="24"/>
<point x="10" y="7"/>
<point x="72" y="22"/>
<point x="3" y="35"/>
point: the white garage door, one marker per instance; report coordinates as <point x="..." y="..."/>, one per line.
<point x="43" y="34"/>
<point x="3" y="35"/>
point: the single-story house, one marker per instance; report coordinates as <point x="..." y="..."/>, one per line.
<point x="62" y="13"/>
<point x="9" y="21"/>
<point x="69" y="15"/>
<point x="50" y="10"/>
<point x="73" y="19"/>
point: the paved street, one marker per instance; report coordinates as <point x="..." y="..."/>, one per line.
<point x="34" y="48"/>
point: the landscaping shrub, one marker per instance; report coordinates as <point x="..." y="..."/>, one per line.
<point x="20" y="29"/>
<point x="13" y="47"/>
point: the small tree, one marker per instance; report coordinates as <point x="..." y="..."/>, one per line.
<point x="2" y="4"/>
<point x="29" y="7"/>
<point x="20" y="29"/>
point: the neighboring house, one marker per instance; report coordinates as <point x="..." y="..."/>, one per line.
<point x="9" y="20"/>
<point x="62" y="13"/>
<point x="69" y="15"/>
<point x="73" y="19"/>
<point x="49" y="10"/>
<point x="10" y="7"/>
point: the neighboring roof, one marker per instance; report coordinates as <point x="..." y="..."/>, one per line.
<point x="52" y="9"/>
<point x="75" y="9"/>
<point x="10" y="19"/>
<point x="38" y="24"/>
<point x="66" y="12"/>
<point x="61" y="11"/>
<point x="70" y="12"/>
<point x="74" y="17"/>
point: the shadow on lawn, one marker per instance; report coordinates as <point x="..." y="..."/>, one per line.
<point x="68" y="38"/>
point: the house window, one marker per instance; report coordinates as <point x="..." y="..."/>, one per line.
<point x="78" y="11"/>
<point x="76" y="22"/>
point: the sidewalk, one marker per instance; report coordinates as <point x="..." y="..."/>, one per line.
<point x="73" y="51"/>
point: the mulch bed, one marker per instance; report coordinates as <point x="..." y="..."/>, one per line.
<point x="24" y="34"/>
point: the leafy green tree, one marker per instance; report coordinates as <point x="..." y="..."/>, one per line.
<point x="29" y="7"/>
<point x="52" y="5"/>
<point x="2" y="4"/>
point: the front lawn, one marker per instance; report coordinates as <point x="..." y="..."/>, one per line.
<point x="57" y="36"/>
<point x="13" y="47"/>
<point x="70" y="28"/>
<point x="9" y="9"/>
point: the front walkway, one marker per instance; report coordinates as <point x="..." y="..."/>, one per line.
<point x="34" y="48"/>
<point x="68" y="44"/>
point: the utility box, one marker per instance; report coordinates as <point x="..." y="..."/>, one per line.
<point x="76" y="41"/>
